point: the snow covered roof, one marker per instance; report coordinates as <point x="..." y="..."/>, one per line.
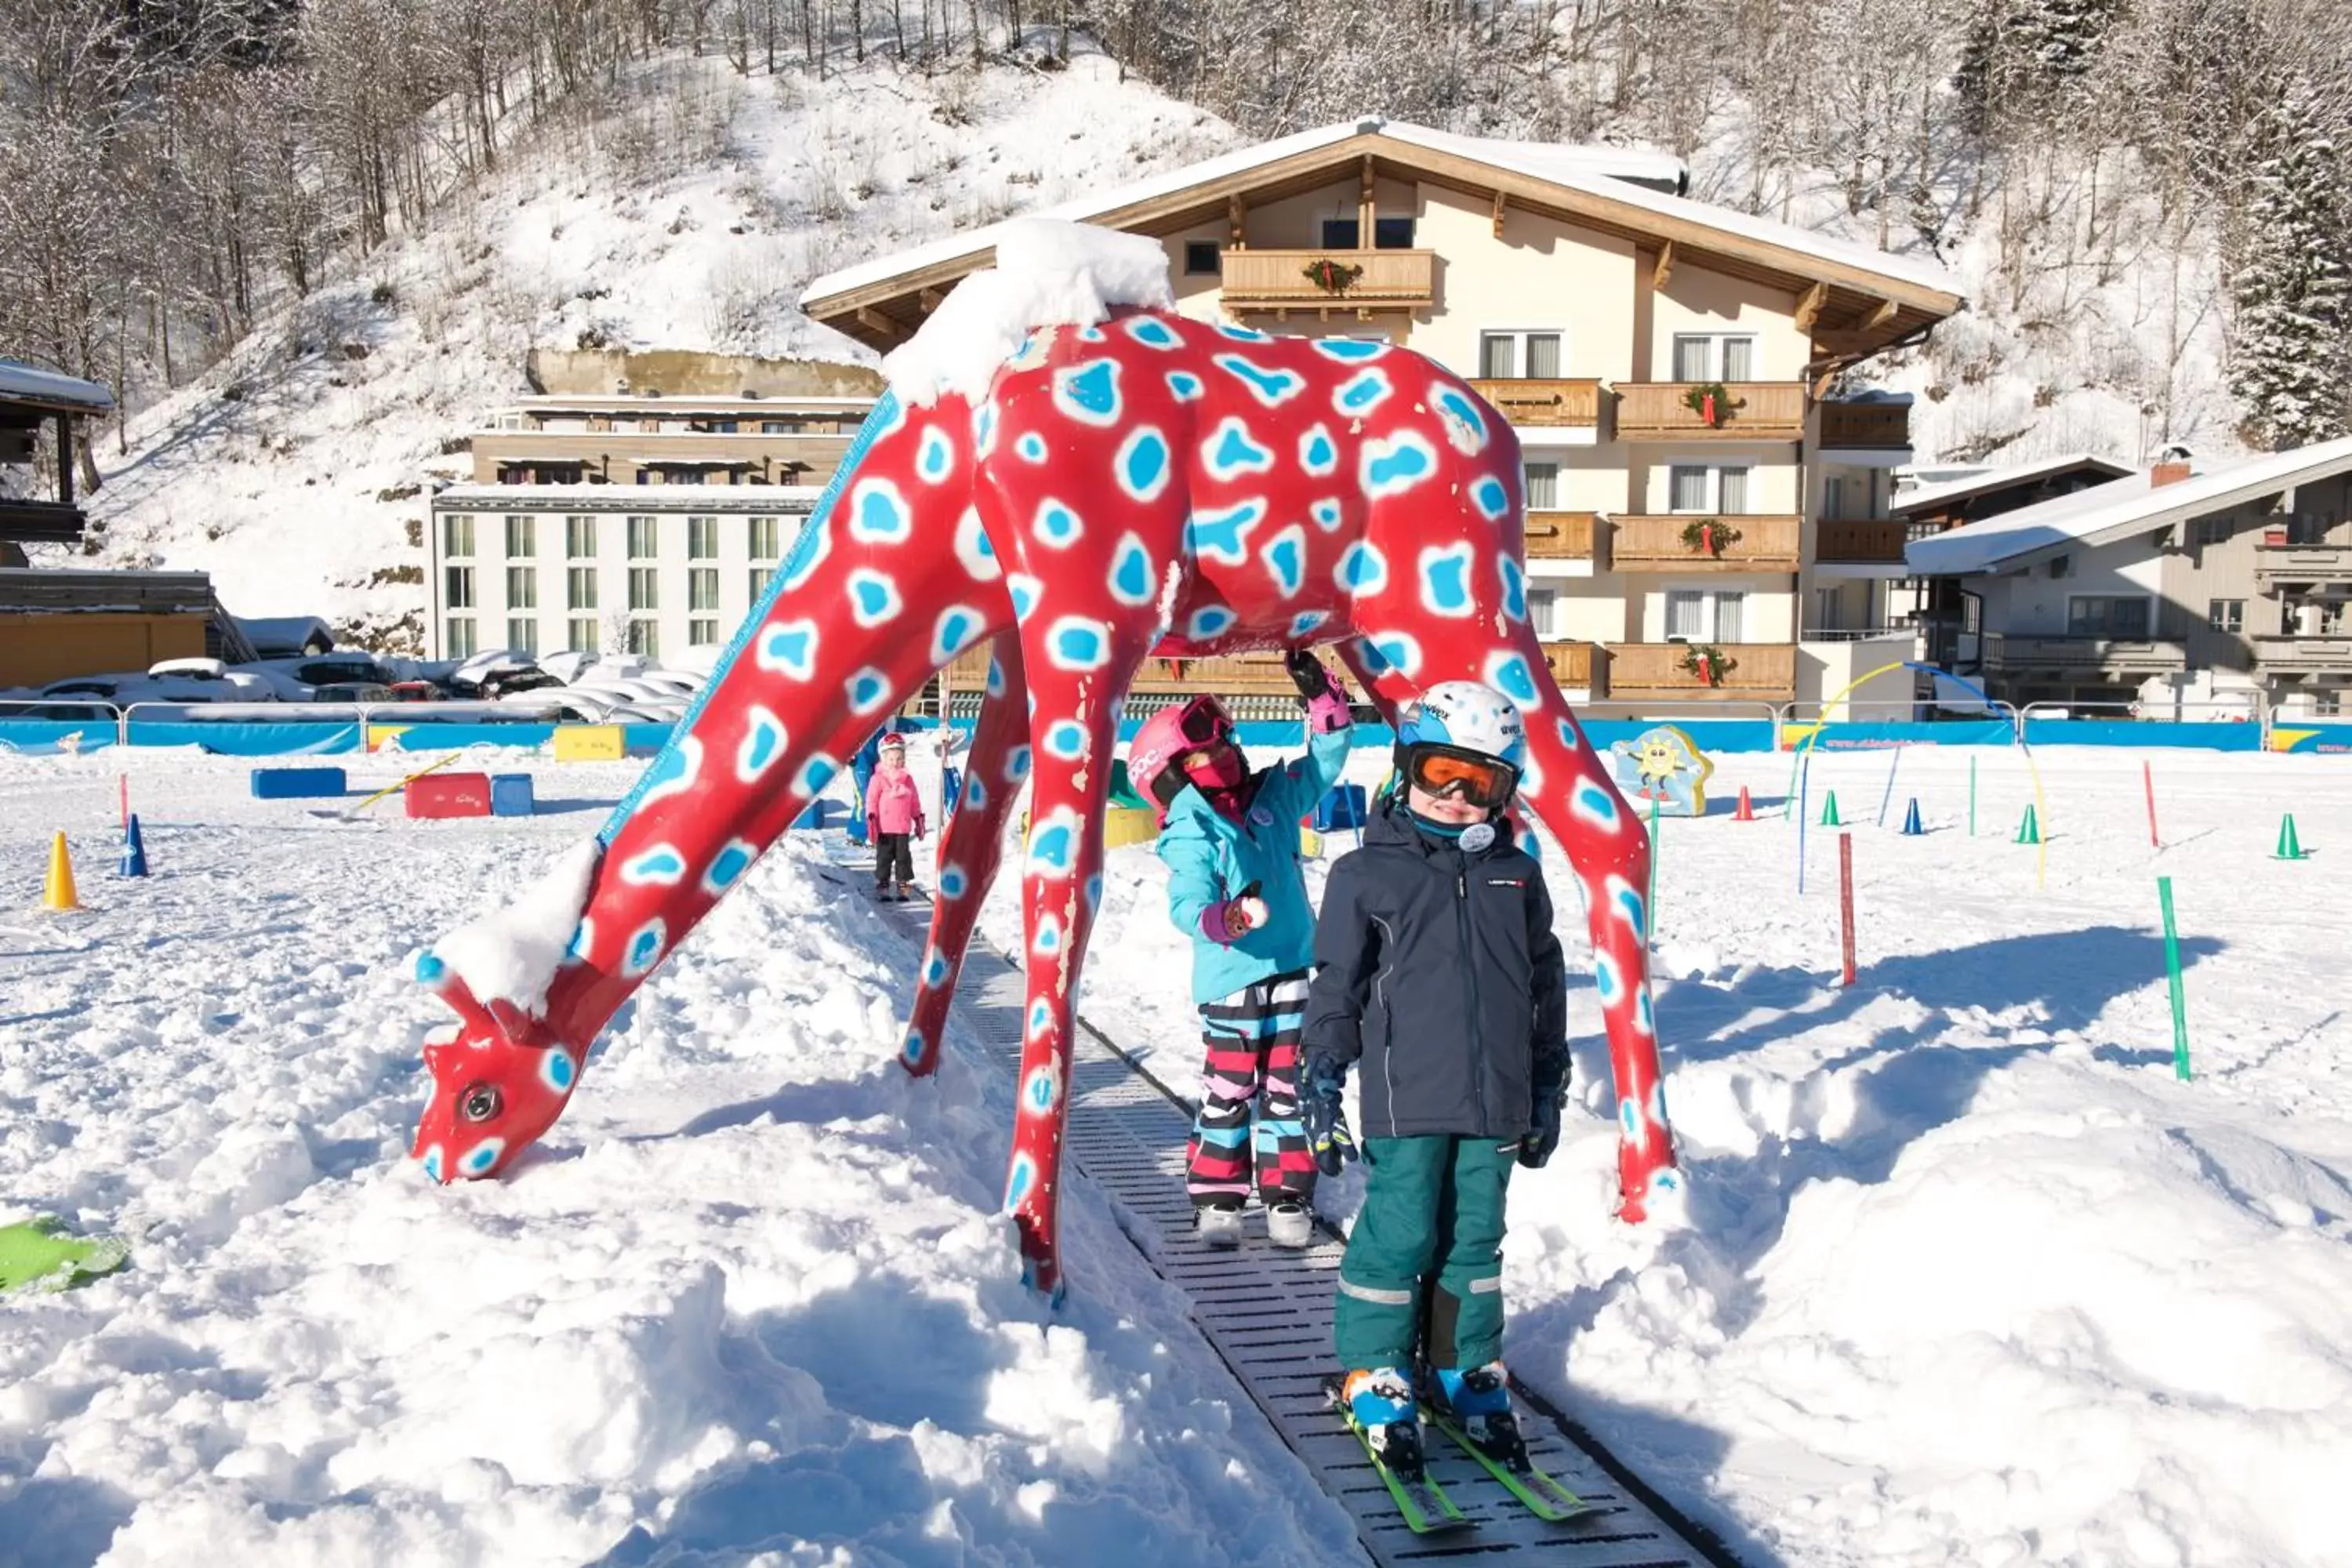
<point x="2121" y="509"/>
<point x="1611" y="175"/>
<point x="629" y="497"/>
<point x="1996" y="478"/>
<point x="29" y="383"/>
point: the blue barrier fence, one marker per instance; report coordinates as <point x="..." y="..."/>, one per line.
<point x="310" y="738"/>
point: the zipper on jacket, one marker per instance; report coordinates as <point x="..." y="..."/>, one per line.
<point x="1470" y="973"/>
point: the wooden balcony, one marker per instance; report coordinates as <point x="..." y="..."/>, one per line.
<point x="1865" y="427"/>
<point x="40" y="522"/>
<point x="1578" y="665"/>
<point x="1277" y="281"/>
<point x="2327" y="652"/>
<point x="1753" y="411"/>
<point x="1563" y="536"/>
<point x="1861" y="541"/>
<point x="1655" y="544"/>
<point x="2278" y="566"/>
<point x="2013" y="654"/>
<point x="1760" y="672"/>
<point x="1554" y="405"/>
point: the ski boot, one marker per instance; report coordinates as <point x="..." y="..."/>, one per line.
<point x="1379" y="1400"/>
<point x="1289" y="1223"/>
<point x="1477" y="1399"/>
<point x="1218" y="1226"/>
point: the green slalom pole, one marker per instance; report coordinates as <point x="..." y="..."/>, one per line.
<point x="2172" y="971"/>
<point x="1649" y="934"/>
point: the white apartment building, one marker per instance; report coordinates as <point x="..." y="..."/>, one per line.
<point x="1665" y="363"/>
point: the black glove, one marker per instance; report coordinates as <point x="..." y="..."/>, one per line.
<point x="1323" y="1116"/>
<point x="1306" y="673"/>
<point x="1543" y="1137"/>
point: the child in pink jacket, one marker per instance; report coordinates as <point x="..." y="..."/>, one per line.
<point x="894" y="815"/>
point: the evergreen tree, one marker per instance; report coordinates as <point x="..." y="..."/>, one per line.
<point x="2023" y="58"/>
<point x="2291" y="286"/>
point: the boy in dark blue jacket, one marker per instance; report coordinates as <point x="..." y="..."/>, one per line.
<point x="1436" y="969"/>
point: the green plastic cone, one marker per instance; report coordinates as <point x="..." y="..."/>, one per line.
<point x="2290" y="847"/>
<point x="39" y="1252"/>
<point x="2029" y="830"/>
<point x="1829" y="812"/>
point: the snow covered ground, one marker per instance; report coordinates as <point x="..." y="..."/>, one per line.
<point x="1972" y="1278"/>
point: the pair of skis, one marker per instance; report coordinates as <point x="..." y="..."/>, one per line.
<point x="1427" y="1510"/>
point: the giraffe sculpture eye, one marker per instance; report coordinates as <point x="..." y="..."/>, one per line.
<point x="481" y="1102"/>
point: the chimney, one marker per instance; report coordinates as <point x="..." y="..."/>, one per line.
<point x="2165" y="474"/>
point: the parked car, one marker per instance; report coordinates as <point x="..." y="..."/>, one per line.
<point x="286" y="636"/>
<point x="298" y="680"/>
<point x="235" y="686"/>
<point x="417" y="691"/>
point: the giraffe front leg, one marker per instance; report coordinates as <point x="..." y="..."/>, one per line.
<point x="1071" y="737"/>
<point x="971" y="846"/>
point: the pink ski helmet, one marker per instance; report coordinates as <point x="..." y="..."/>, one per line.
<point x="1179" y="728"/>
<point x="892" y="739"/>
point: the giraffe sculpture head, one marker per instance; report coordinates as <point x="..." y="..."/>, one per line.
<point x="499" y="1082"/>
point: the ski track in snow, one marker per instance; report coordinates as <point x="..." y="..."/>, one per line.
<point x="1970" y="1278"/>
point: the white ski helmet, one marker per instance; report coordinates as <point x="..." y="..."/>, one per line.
<point x="1468" y="717"/>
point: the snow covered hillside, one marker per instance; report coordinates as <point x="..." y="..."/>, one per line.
<point x="1969" y="1277"/>
<point x="687" y="216"/>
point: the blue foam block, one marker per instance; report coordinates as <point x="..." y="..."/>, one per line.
<point x="1343" y="807"/>
<point x="510" y="794"/>
<point x="811" y="816"/>
<point x="295" y="784"/>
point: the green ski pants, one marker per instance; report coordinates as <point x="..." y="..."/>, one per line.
<point x="1430" y="1231"/>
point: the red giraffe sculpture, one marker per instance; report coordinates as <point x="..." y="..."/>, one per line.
<point x="1120" y="484"/>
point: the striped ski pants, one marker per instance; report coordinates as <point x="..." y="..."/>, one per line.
<point x="1251" y="1038"/>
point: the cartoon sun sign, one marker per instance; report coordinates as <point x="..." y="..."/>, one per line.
<point x="1666" y="767"/>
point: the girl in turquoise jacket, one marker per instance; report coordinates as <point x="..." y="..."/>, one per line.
<point x="1229" y="840"/>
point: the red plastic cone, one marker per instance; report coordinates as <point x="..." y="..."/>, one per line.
<point x="1747" y="813"/>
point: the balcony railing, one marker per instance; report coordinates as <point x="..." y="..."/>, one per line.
<point x="1747" y="411"/>
<point x="40" y="522"/>
<point x="2278" y="564"/>
<point x="1760" y="671"/>
<point x="2329" y="652"/>
<point x="1578" y="666"/>
<point x="1563" y="536"/>
<point x="2117" y="655"/>
<point x="1656" y="544"/>
<point x="1277" y="279"/>
<point x="1861" y="541"/>
<point x="1575" y="405"/>
<point x="1865" y="427"/>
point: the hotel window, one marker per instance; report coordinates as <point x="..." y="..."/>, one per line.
<point x="2226" y="615"/>
<point x="2212" y="531"/>
<point x="702" y="539"/>
<point x="458" y="587"/>
<point x="1706" y="357"/>
<point x="1541" y="604"/>
<point x="644" y="588"/>
<point x="522" y="538"/>
<point x="458" y="637"/>
<point x="1542" y="486"/>
<point x="702" y="588"/>
<point x="580" y="538"/>
<point x="1393" y="234"/>
<point x="644" y="534"/>
<point x="1508" y="356"/>
<point x="458" y="533"/>
<point x="579" y="634"/>
<point x="580" y="588"/>
<point x="759" y="576"/>
<point x="1202" y="258"/>
<point x="701" y="634"/>
<point x="2106" y="615"/>
<point x="522" y="635"/>
<point x="763" y="539"/>
<point x="1833" y="497"/>
<point x="645" y="638"/>
<point x="1693" y="616"/>
<point x="1694" y="487"/>
<point x="522" y="588"/>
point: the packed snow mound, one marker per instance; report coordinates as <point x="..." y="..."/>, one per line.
<point x="1047" y="274"/>
<point x="511" y="954"/>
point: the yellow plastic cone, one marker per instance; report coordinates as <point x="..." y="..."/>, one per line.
<point x="60" y="892"/>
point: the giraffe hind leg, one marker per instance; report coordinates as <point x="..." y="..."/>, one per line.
<point x="972" y="845"/>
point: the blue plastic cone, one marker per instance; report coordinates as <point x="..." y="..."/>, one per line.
<point x="134" y="852"/>
<point x="1911" y="827"/>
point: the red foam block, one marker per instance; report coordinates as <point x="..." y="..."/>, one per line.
<point x="449" y="795"/>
